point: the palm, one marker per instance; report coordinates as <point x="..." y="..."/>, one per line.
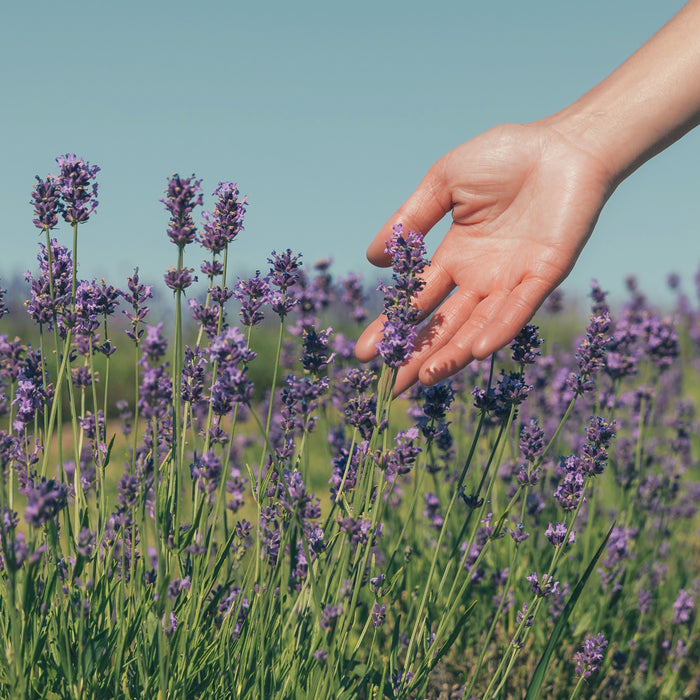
<point x="523" y="204"/>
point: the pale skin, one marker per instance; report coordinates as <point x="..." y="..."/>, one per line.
<point x="524" y="199"/>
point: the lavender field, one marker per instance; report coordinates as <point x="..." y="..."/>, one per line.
<point x="221" y="502"/>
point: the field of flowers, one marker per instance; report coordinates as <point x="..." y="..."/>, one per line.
<point x="171" y="528"/>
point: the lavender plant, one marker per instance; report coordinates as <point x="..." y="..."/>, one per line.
<point x="524" y="529"/>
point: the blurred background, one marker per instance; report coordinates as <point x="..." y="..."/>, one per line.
<point x="326" y="114"/>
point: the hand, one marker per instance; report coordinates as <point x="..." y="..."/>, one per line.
<point x="524" y="200"/>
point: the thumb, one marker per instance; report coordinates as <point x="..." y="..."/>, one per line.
<point x="430" y="201"/>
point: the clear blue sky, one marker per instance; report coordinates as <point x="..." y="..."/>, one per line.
<point x="327" y="114"/>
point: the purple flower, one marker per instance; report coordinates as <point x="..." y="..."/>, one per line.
<point x="571" y="485"/>
<point x="182" y="196"/>
<point x="432" y="511"/>
<point x="590" y="355"/>
<point x="179" y="280"/>
<point x="316" y="357"/>
<point x="522" y="618"/>
<point x="354" y="296"/>
<point x="154" y="344"/>
<point x="155" y="392"/>
<point x="207" y="471"/>
<point x="510" y="391"/>
<point x="284" y="270"/>
<point x="683" y="607"/>
<point x="136" y="296"/>
<point x="543" y="587"/>
<point x="78" y="192"/>
<point x="519" y="534"/>
<point x="50" y="293"/>
<point x="253" y="295"/>
<point x="525" y="345"/>
<point x="619" y="550"/>
<point x="531" y="441"/>
<point x="85" y="543"/>
<point x="595" y="451"/>
<point x="284" y="274"/>
<point x="226" y="221"/>
<point x="408" y="262"/>
<point x="329" y="616"/>
<point x="47" y="205"/>
<point x="436" y="403"/>
<point x="556" y="534"/>
<point x="590" y="658"/>
<point x="378" y="614"/>
<point x="644" y="600"/>
<point x="45" y="499"/>
<point x="402" y="457"/>
<point x="662" y="344"/>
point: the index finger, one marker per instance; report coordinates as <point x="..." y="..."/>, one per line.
<point x="430" y="201"/>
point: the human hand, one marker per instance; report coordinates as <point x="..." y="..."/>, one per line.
<point x="524" y="200"/>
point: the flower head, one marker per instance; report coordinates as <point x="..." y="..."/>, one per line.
<point x="45" y="499"/>
<point x="408" y="262"/>
<point x="525" y="345"/>
<point x="78" y="191"/>
<point x="683" y="607"/>
<point x="253" y="295"/>
<point x="589" y="659"/>
<point x="47" y="203"/>
<point x="183" y="194"/>
<point x="226" y="221"/>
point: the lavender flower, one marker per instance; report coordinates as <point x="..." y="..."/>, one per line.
<point x="47" y="204"/>
<point x="182" y="196"/>
<point x="179" y="280"/>
<point x="329" y="616"/>
<point x="51" y="293"/>
<point x="402" y="457"/>
<point x="316" y="357"/>
<point x="45" y="499"/>
<point x="662" y="344"/>
<point x="531" y="441"/>
<point x="378" y="614"/>
<point x="432" y="511"/>
<point x="207" y="471"/>
<point x="556" y="535"/>
<point x="154" y="344"/>
<point x="136" y="296"/>
<point x="78" y="191"/>
<point x="155" y="392"/>
<point x="683" y="607"/>
<point x="497" y="401"/>
<point x="570" y="489"/>
<point x="253" y="295"/>
<point x="590" y="658"/>
<point x="525" y="345"/>
<point x="408" y="262"/>
<point x="590" y="355"/>
<point x="226" y="222"/>
<point x="354" y="296"/>
<point x="542" y="587"/>
<point x="595" y="451"/>
<point x="284" y="274"/>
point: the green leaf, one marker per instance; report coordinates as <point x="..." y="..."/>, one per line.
<point x="541" y="670"/>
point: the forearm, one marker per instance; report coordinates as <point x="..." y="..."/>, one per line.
<point x="646" y="104"/>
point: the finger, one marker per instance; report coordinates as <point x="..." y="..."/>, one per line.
<point x="430" y="201"/>
<point x="518" y="309"/>
<point x="366" y="345"/>
<point x="439" y="330"/>
<point x="458" y="351"/>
